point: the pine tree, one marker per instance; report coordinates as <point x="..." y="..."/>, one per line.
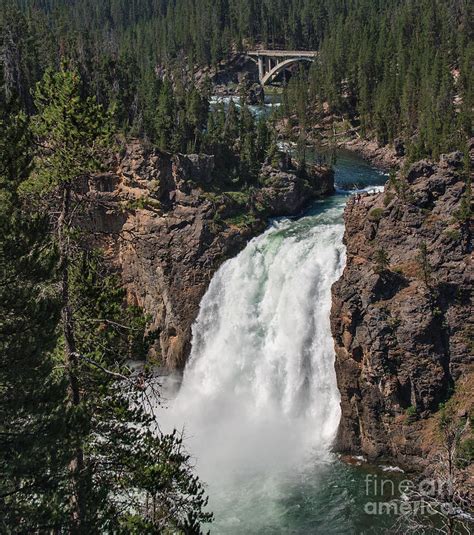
<point x="70" y="132"/>
<point x="382" y="261"/>
<point x="33" y="447"/>
<point x="117" y="461"/>
<point x="248" y="158"/>
<point x="165" y="119"/>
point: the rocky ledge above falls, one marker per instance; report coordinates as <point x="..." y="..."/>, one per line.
<point x="166" y="226"/>
<point x="401" y="316"/>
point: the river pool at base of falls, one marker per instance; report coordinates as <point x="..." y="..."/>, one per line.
<point x="258" y="403"/>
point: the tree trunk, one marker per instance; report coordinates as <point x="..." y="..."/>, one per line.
<point x="76" y="466"/>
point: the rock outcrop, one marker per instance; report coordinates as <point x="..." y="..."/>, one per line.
<point x="167" y="227"/>
<point x="401" y="317"/>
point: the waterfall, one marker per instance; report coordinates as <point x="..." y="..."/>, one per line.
<point x="259" y="391"/>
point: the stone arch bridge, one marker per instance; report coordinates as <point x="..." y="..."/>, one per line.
<point x="273" y="62"/>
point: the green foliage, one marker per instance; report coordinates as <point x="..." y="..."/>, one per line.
<point x="424" y="266"/>
<point x="453" y="234"/>
<point x="73" y="133"/>
<point x="141" y="203"/>
<point x="33" y="448"/>
<point x="241" y="220"/>
<point x="400" y="186"/>
<point x="465" y="453"/>
<point x="240" y="197"/>
<point x="382" y="260"/>
<point x="239" y="142"/>
<point x="179" y="119"/>
<point x="165" y="116"/>
<point x="394" y="322"/>
<point x="376" y="214"/>
<point x="119" y="434"/>
<point x="411" y="411"/>
<point x="107" y="328"/>
<point x="464" y="214"/>
<point x="80" y="448"/>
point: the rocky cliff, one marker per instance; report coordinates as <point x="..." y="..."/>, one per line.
<point x="401" y="316"/>
<point x="167" y="226"/>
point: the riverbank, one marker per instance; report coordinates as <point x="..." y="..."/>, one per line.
<point x="333" y="133"/>
<point x="385" y="158"/>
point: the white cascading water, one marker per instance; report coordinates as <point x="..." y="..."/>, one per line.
<point x="259" y="392"/>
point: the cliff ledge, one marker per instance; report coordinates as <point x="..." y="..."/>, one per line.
<point x="402" y="312"/>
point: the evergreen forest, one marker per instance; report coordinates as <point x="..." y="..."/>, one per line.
<point x="80" y="451"/>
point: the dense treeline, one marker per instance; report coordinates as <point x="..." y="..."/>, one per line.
<point x="206" y="30"/>
<point x="400" y="68"/>
<point x="80" y="451"/>
<point x="403" y="71"/>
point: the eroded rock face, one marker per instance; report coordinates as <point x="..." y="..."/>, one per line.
<point x="284" y="192"/>
<point x="401" y="316"/>
<point x="167" y="236"/>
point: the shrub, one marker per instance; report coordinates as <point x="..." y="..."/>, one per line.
<point x="382" y="260"/>
<point x="453" y="234"/>
<point x="388" y="198"/>
<point x="376" y="214"/>
<point x="425" y="268"/>
<point x="240" y="197"/>
<point x="241" y="220"/>
<point x="465" y="453"/>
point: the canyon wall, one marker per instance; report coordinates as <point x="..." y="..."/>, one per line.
<point x="402" y="311"/>
<point x="166" y="225"/>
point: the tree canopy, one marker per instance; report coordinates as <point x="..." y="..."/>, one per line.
<point x="403" y="68"/>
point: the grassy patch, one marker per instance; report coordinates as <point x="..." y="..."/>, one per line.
<point x="376" y="214"/>
<point x="453" y="234"/>
<point x="239" y="197"/>
<point x="142" y="203"/>
<point x="241" y="220"/>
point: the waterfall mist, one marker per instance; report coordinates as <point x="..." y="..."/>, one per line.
<point x="259" y="392"/>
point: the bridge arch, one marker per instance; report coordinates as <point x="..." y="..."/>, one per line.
<point x="279" y="67"/>
<point x="272" y="62"/>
